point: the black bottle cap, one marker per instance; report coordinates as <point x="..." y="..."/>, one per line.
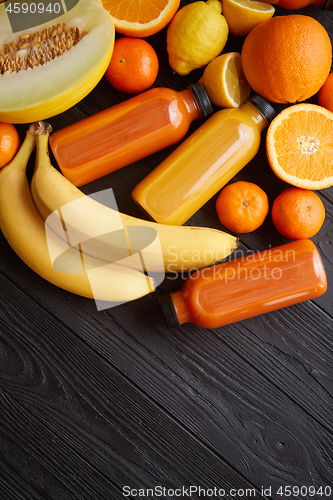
<point x="328" y="5"/>
<point x="263" y="106"/>
<point x="202" y="99"/>
<point x="168" y="310"/>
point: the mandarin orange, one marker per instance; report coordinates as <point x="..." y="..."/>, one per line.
<point x="9" y="143"/>
<point x="242" y="207"/>
<point x="298" y="213"/>
<point x="287" y="58"/>
<point x="134" y="65"/>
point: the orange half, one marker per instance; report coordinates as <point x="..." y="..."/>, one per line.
<point x="141" y="18"/>
<point x="299" y="146"/>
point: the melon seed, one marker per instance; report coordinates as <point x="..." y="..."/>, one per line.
<point x="36" y="49"/>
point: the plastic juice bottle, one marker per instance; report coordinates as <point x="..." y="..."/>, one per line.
<point x="127" y="132"/>
<point x="248" y="286"/>
<point x="204" y="162"/>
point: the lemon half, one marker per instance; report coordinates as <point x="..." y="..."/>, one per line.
<point x="243" y="15"/>
<point x="224" y="81"/>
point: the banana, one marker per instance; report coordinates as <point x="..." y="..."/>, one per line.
<point x="110" y="235"/>
<point x="38" y="246"/>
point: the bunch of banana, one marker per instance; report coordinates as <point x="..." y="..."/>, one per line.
<point x="106" y="234"/>
<point x="49" y="255"/>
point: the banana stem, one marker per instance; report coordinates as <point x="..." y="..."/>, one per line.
<point x="41" y="131"/>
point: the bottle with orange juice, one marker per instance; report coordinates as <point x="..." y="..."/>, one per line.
<point x="127" y="132"/>
<point x="248" y="286"/>
<point x="198" y="168"/>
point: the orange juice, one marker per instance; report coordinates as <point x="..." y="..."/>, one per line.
<point x="127" y="132"/>
<point x="203" y="163"/>
<point x="248" y="286"/>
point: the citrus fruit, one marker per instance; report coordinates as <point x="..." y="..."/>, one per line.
<point x="139" y="18"/>
<point x="243" y="15"/>
<point x="196" y="35"/>
<point x="242" y="207"/>
<point x="298" y="213"/>
<point x="224" y="81"/>
<point x="325" y="94"/>
<point x="299" y="146"/>
<point x="287" y="58"/>
<point x="9" y="143"/>
<point x="134" y="65"/>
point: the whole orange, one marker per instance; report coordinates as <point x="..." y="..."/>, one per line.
<point x="325" y="94"/>
<point x="287" y="58"/>
<point x="134" y="65"/>
<point x="242" y="207"/>
<point x="298" y="213"/>
<point x="9" y="143"/>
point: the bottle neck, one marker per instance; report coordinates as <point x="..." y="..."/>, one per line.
<point x="201" y="99"/>
<point x="174" y="309"/>
<point x="254" y="114"/>
<point x="181" y="310"/>
<point x="191" y="104"/>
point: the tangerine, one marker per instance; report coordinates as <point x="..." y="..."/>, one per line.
<point x="9" y="143"/>
<point x="242" y="207"/>
<point x="298" y="213"/>
<point x="287" y="58"/>
<point x="134" y="65"/>
<point x="139" y="18"/>
<point x="325" y="94"/>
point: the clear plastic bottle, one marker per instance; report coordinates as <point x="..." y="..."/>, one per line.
<point x="127" y="132"/>
<point x="245" y="287"/>
<point x="198" y="168"/>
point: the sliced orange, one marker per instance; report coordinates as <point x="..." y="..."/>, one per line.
<point x="299" y="146"/>
<point x="141" y="18"/>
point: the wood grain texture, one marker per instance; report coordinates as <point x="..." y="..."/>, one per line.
<point x="93" y="401"/>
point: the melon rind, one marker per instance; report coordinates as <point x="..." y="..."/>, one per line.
<point x="44" y="91"/>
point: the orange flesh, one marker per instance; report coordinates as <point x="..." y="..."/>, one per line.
<point x="304" y="145"/>
<point x="140" y="11"/>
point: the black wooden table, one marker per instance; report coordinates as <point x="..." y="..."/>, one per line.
<point x="112" y="404"/>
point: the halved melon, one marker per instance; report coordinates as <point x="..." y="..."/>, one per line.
<point x="57" y="66"/>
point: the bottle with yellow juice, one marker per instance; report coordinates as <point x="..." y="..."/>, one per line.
<point x="208" y="159"/>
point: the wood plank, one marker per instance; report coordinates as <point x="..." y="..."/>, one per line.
<point x="91" y="400"/>
<point x="232" y="411"/>
<point x="79" y="427"/>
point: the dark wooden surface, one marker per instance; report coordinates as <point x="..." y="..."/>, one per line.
<point x="93" y="401"/>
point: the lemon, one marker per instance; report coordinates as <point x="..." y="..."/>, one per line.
<point x="196" y="35"/>
<point x="224" y="81"/>
<point x="243" y="15"/>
